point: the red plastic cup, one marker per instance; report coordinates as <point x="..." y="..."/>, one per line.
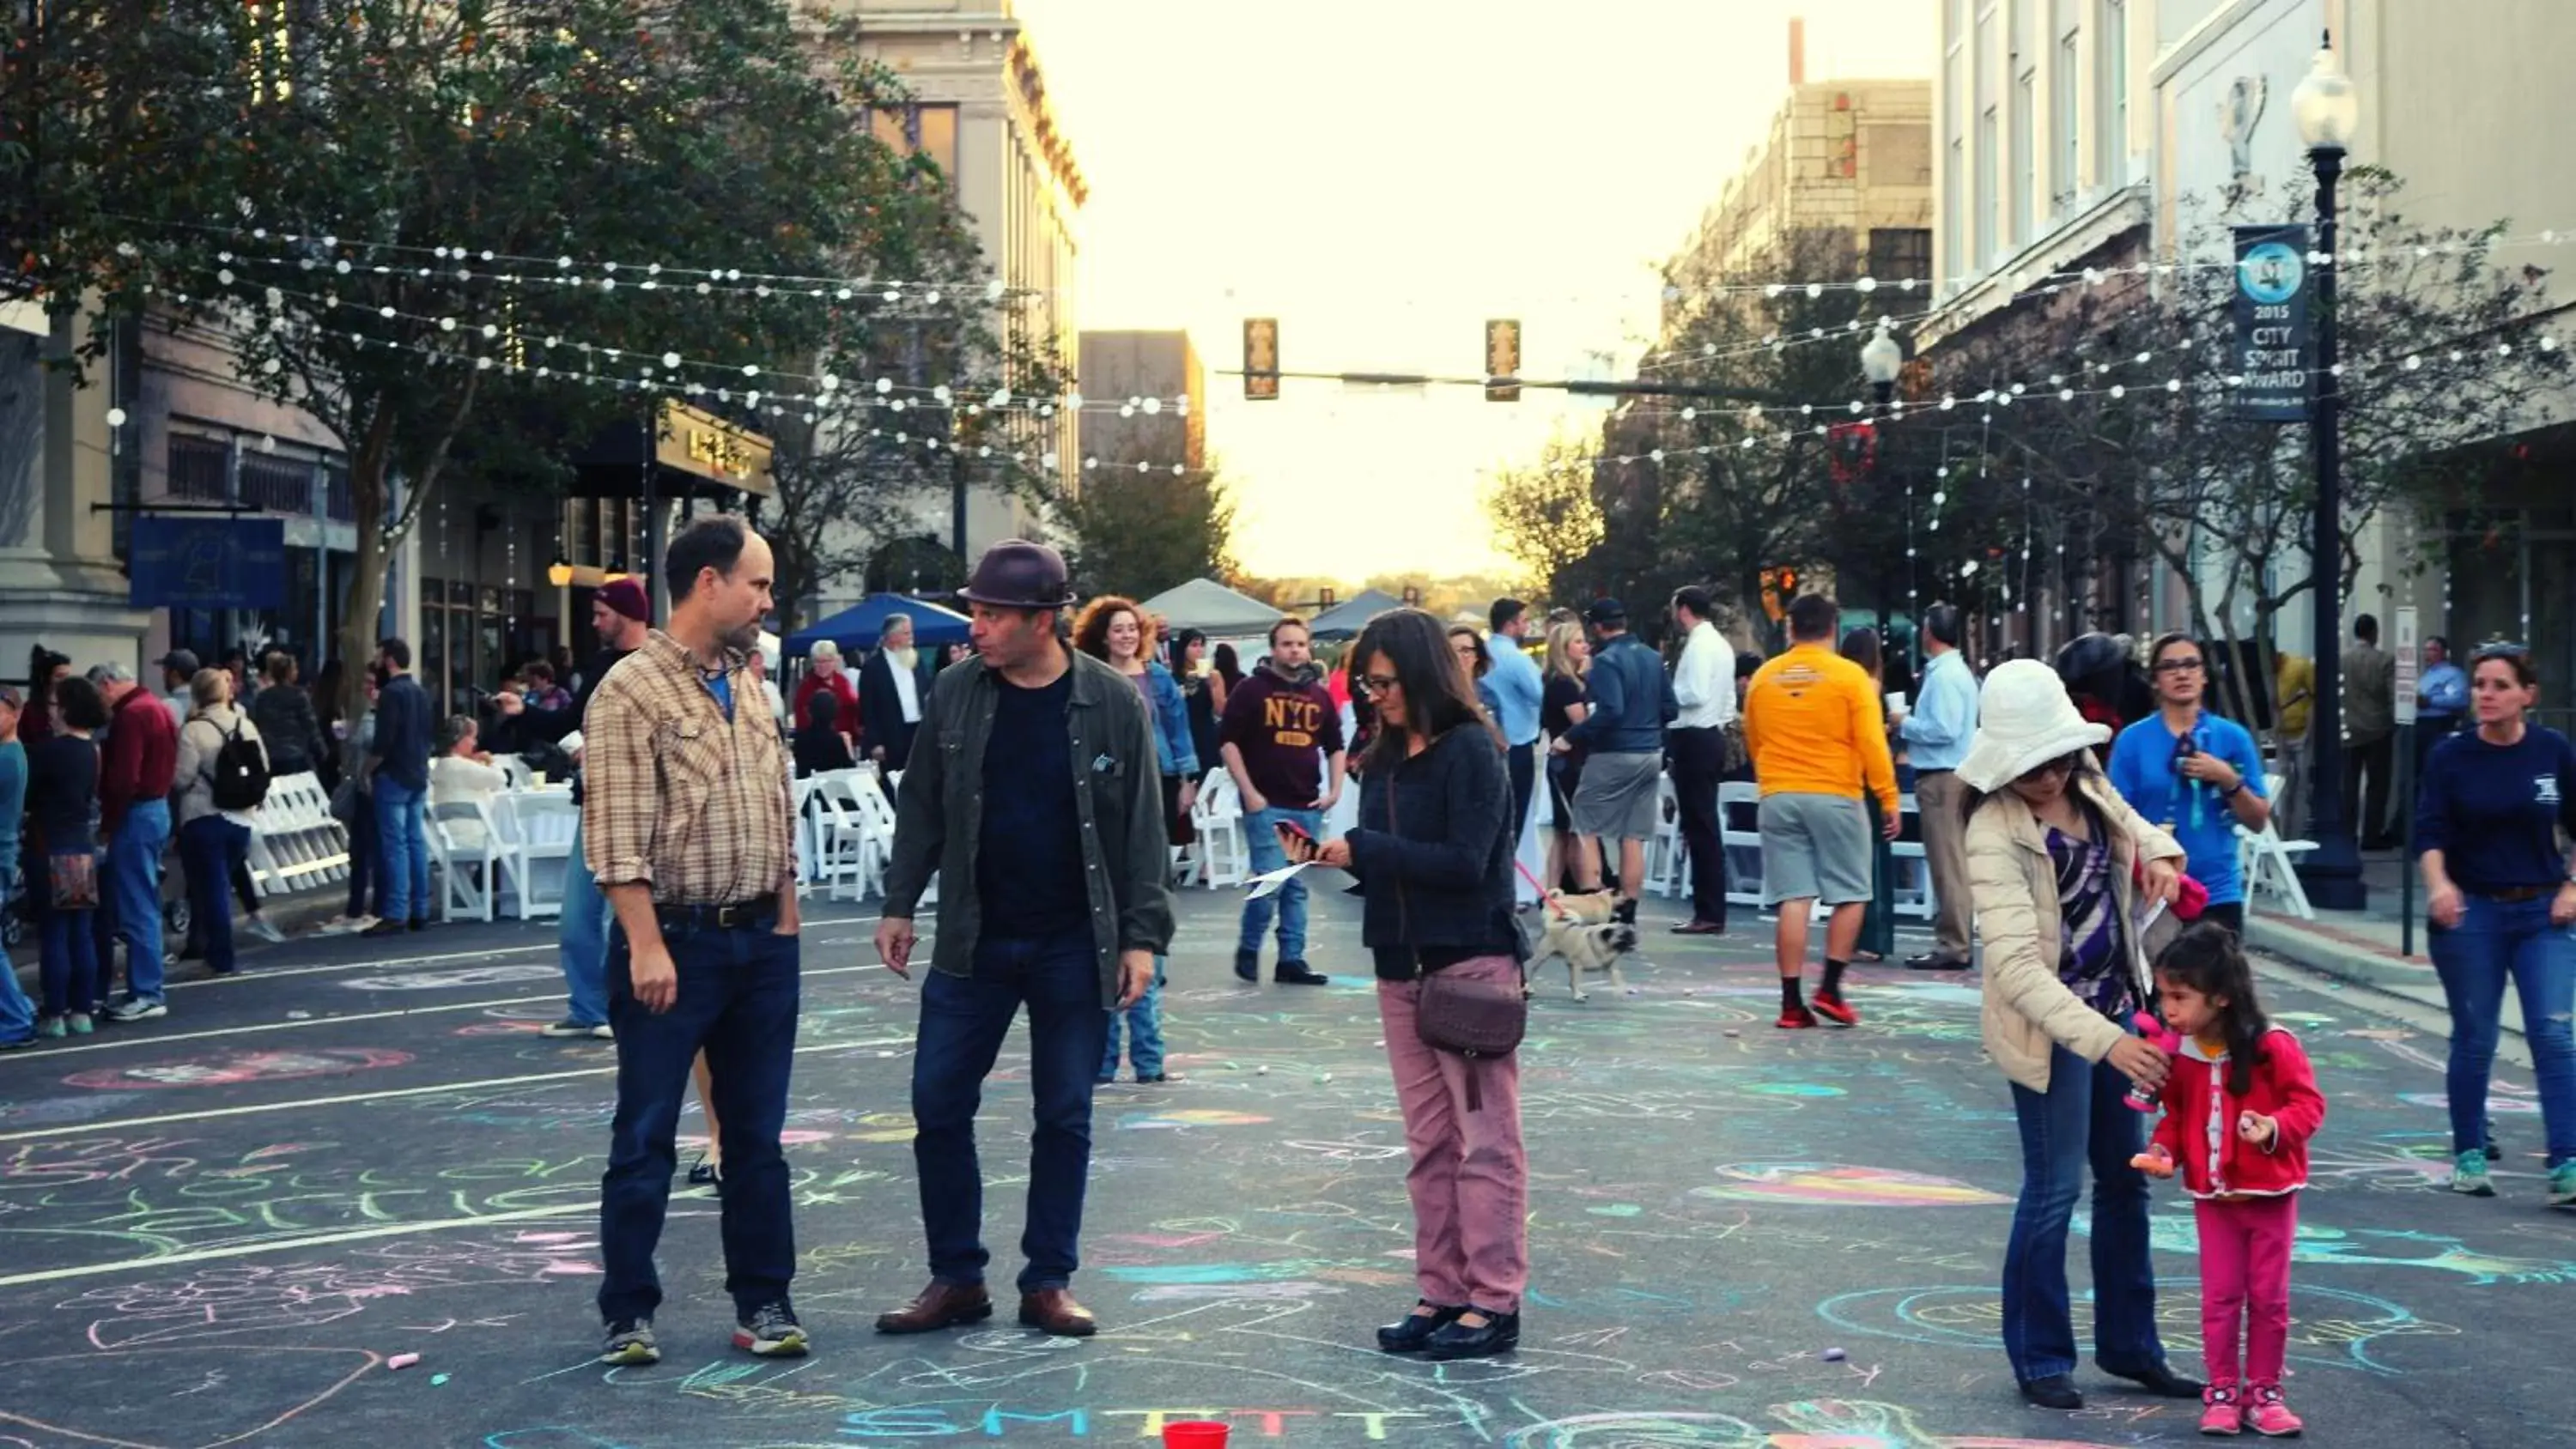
<point x="1196" y="1434"/>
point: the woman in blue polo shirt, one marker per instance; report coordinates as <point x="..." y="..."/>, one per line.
<point x="2499" y="891"/>
<point x="2195" y="774"/>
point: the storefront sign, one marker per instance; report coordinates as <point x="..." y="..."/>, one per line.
<point x="701" y="443"/>
<point x="2272" y="323"/>
<point x="195" y="562"/>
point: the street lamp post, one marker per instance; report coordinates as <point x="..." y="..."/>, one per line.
<point x="1882" y="361"/>
<point x="2328" y="113"/>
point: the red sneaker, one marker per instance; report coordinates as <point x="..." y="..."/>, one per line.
<point x="1835" y="1009"/>
<point x="1795" y="1018"/>
<point x="2269" y="1417"/>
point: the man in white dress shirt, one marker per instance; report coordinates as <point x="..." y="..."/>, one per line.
<point x="1704" y="687"/>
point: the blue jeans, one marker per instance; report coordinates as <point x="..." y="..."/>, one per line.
<point x="1261" y="831"/>
<point x="2079" y="1119"/>
<point x="737" y="1000"/>
<point x="402" y="852"/>
<point x="963" y="1022"/>
<point x="581" y="939"/>
<point x="69" y="954"/>
<point x="1145" y="1029"/>
<point x="208" y="848"/>
<point x="17" y="1013"/>
<point x="2494" y="941"/>
<point x="131" y="884"/>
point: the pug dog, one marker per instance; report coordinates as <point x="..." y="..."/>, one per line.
<point x="1579" y="930"/>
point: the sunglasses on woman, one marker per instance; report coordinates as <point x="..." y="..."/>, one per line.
<point x="2062" y="765"/>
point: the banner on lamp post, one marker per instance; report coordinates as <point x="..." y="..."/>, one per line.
<point x="2272" y="323"/>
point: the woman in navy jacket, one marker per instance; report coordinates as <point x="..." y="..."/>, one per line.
<point x="1433" y="854"/>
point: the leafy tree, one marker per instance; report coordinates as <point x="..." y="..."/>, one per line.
<point x="1543" y="514"/>
<point x="1138" y="532"/>
<point x="366" y="195"/>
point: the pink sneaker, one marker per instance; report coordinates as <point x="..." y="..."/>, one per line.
<point x="2220" y="1412"/>
<point x="2268" y="1416"/>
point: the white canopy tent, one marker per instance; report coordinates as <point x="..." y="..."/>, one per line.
<point x="1213" y="609"/>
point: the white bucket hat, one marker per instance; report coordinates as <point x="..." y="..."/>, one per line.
<point x="2024" y="720"/>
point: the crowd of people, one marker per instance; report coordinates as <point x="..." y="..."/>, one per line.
<point x="2079" y="823"/>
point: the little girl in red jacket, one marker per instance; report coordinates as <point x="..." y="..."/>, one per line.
<point x="2239" y="1110"/>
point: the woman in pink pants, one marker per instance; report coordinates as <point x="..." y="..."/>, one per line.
<point x="1433" y="854"/>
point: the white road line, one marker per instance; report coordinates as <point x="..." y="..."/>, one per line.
<point x="74" y="1129"/>
<point x="288" y="1245"/>
<point x="125" y="1040"/>
<point x="444" y="958"/>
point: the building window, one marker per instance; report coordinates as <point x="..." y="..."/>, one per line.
<point x="1954" y="232"/>
<point x="2025" y="156"/>
<point x="1989" y="201"/>
<point x="199" y="469"/>
<point x="920" y="130"/>
<point x="2063" y="124"/>
<point x="277" y="483"/>
<point x="2114" y="163"/>
<point x="1898" y="254"/>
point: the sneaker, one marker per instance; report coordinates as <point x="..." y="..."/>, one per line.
<point x="2493" y="1152"/>
<point x="2268" y="1416"/>
<point x="266" y="930"/>
<point x="1795" y="1018"/>
<point x="137" y="1008"/>
<point x="630" y="1342"/>
<point x="2469" y="1174"/>
<point x="80" y="1023"/>
<point x="572" y="1026"/>
<point x="2562" y="1185"/>
<point x="1247" y="965"/>
<point x="50" y="1028"/>
<point x="383" y="928"/>
<point x="2220" y="1412"/>
<point x="772" y="1332"/>
<point x="1834" y="1009"/>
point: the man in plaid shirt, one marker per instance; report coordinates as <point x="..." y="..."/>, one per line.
<point x="687" y="826"/>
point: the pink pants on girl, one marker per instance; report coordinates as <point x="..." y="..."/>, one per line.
<point x="2245" y="1273"/>
<point x="1470" y="1178"/>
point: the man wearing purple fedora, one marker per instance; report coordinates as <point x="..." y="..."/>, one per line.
<point x="1033" y="794"/>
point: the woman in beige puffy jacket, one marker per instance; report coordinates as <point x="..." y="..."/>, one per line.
<point x="2064" y="874"/>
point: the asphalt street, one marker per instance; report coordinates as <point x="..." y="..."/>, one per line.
<point x="224" y="1227"/>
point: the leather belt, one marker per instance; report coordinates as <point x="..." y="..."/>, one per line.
<point x="2513" y="895"/>
<point x="758" y="911"/>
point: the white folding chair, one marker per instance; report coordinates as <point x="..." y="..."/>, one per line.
<point x="468" y="859"/>
<point x="843" y="854"/>
<point x="537" y="850"/>
<point x="1225" y="852"/>
<point x="1667" y="853"/>
<point x="1739" y="833"/>
<point x="1912" y="887"/>
<point x="294" y="842"/>
<point x="2269" y="864"/>
<point x="876" y="827"/>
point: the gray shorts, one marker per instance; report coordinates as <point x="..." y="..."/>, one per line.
<point x="1815" y="848"/>
<point x="1619" y="797"/>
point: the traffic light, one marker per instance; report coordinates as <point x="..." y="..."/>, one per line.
<point x="1261" y="359"/>
<point x="1502" y="360"/>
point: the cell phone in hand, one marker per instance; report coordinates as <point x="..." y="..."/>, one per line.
<point x="1291" y="836"/>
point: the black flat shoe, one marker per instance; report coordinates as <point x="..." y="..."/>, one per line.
<point x="2159" y="1380"/>
<point x="1297" y="973"/>
<point x="2057" y="1391"/>
<point x="1500" y="1333"/>
<point x="1415" y="1330"/>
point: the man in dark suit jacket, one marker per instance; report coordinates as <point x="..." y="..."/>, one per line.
<point x="892" y="687"/>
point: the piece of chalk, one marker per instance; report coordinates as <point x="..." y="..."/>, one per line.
<point x="402" y="1360"/>
<point x="1731" y="1031"/>
<point x="1262" y="1070"/>
<point x="1834" y="1355"/>
<point x="1326" y="1077"/>
<point x="299" y="1016"/>
<point x="437" y="1379"/>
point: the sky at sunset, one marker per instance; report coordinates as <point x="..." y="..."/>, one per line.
<point x="1382" y="177"/>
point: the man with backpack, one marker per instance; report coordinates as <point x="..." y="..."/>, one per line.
<point x="222" y="778"/>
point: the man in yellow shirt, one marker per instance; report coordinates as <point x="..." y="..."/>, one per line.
<point x="1818" y="735"/>
<point x="2295" y="686"/>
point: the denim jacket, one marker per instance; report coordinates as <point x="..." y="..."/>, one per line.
<point x="1117" y="790"/>
<point x="1174" y="754"/>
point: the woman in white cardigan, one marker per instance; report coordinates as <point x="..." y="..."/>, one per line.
<point x="2063" y="873"/>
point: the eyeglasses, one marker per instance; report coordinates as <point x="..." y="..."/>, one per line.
<point x="2062" y="765"/>
<point x="1377" y="683"/>
<point x="2179" y="666"/>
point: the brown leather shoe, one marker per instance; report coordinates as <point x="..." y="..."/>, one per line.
<point x="941" y="1305"/>
<point x="1052" y="1310"/>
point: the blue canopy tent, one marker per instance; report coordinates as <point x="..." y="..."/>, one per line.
<point x="856" y="628"/>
